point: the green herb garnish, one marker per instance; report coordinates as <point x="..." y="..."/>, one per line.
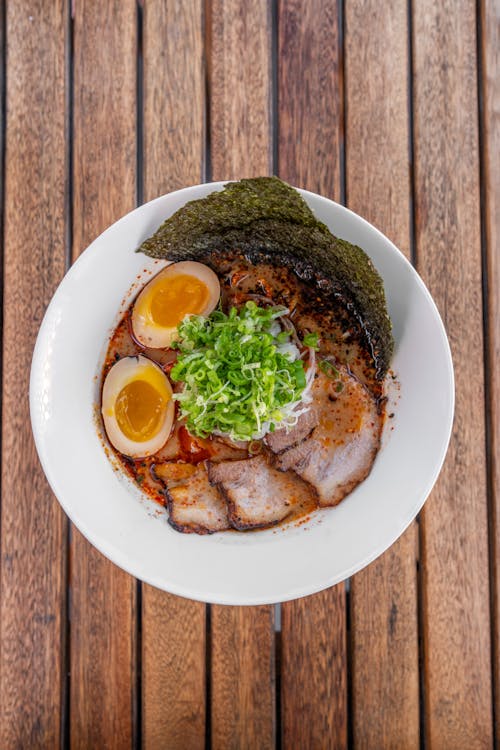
<point x="328" y="369"/>
<point x="242" y="376"/>
<point x="311" y="340"/>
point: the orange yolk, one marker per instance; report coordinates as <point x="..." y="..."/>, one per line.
<point x="176" y="297"/>
<point x="140" y="410"/>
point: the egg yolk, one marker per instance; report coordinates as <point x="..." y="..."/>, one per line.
<point x="140" y="410"/>
<point x="176" y="297"/>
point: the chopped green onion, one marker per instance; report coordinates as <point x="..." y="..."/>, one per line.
<point x="328" y="369"/>
<point x="312" y="340"/>
<point x="241" y="378"/>
<point x="254" y="447"/>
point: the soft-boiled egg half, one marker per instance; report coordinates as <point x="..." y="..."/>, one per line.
<point x="137" y="406"/>
<point x="185" y="288"/>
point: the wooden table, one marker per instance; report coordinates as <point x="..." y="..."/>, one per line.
<point x="388" y="106"/>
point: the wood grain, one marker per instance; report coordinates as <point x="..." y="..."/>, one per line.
<point x="239" y="60"/>
<point x="310" y="100"/>
<point x="33" y="527"/>
<point x="242" y="678"/>
<point x="490" y="41"/>
<point x="174" y="95"/>
<point x="384" y="640"/>
<point x="103" y="596"/>
<point x="173" y="629"/>
<point x="314" y="671"/>
<point x="454" y="539"/>
<point x="310" y="116"/>
<point x="384" y="650"/>
<point x="173" y="671"/>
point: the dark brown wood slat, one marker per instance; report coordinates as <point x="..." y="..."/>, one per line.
<point x="490" y="41"/>
<point x="310" y="106"/>
<point x="314" y="664"/>
<point x="33" y="527"/>
<point x="242" y="678"/>
<point x="384" y="649"/>
<point x="239" y="59"/>
<point x="174" y="94"/>
<point x="173" y="629"/>
<point x="173" y="671"/>
<point x="103" y="596"/>
<point x="384" y="631"/>
<point x="454" y="539"/>
<point x="314" y="671"/>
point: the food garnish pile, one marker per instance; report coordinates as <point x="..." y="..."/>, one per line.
<point x="245" y="383"/>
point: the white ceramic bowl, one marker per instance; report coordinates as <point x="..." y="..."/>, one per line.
<point x="230" y="568"/>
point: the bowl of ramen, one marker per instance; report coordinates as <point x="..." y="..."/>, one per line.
<point x="242" y="392"/>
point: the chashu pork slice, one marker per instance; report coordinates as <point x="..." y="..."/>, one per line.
<point x="283" y="439"/>
<point x="194" y="506"/>
<point x="341" y="449"/>
<point x="256" y="493"/>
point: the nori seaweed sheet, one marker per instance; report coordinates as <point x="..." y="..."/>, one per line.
<point x="268" y="221"/>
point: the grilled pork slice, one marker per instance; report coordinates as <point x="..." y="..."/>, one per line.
<point x="281" y="440"/>
<point x="257" y="494"/>
<point x="341" y="449"/>
<point x="194" y="506"/>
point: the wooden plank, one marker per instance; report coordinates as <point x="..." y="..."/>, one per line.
<point x="454" y="539"/>
<point x="174" y="95"/>
<point x="384" y="622"/>
<point x="384" y="649"/>
<point x="103" y="597"/>
<point x="173" y="629"/>
<point x="314" y="671"/>
<point x="239" y="59"/>
<point x="490" y="39"/>
<point x="239" y="67"/>
<point x="310" y="106"/>
<point x="314" y="665"/>
<point x="173" y="671"/>
<point x="242" y="678"/>
<point x="33" y="527"/>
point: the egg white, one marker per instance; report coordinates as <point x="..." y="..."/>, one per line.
<point x="147" y="331"/>
<point x="122" y="373"/>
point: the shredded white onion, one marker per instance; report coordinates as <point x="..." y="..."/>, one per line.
<point x="287" y="323"/>
<point x="289" y="350"/>
<point x="310" y="373"/>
